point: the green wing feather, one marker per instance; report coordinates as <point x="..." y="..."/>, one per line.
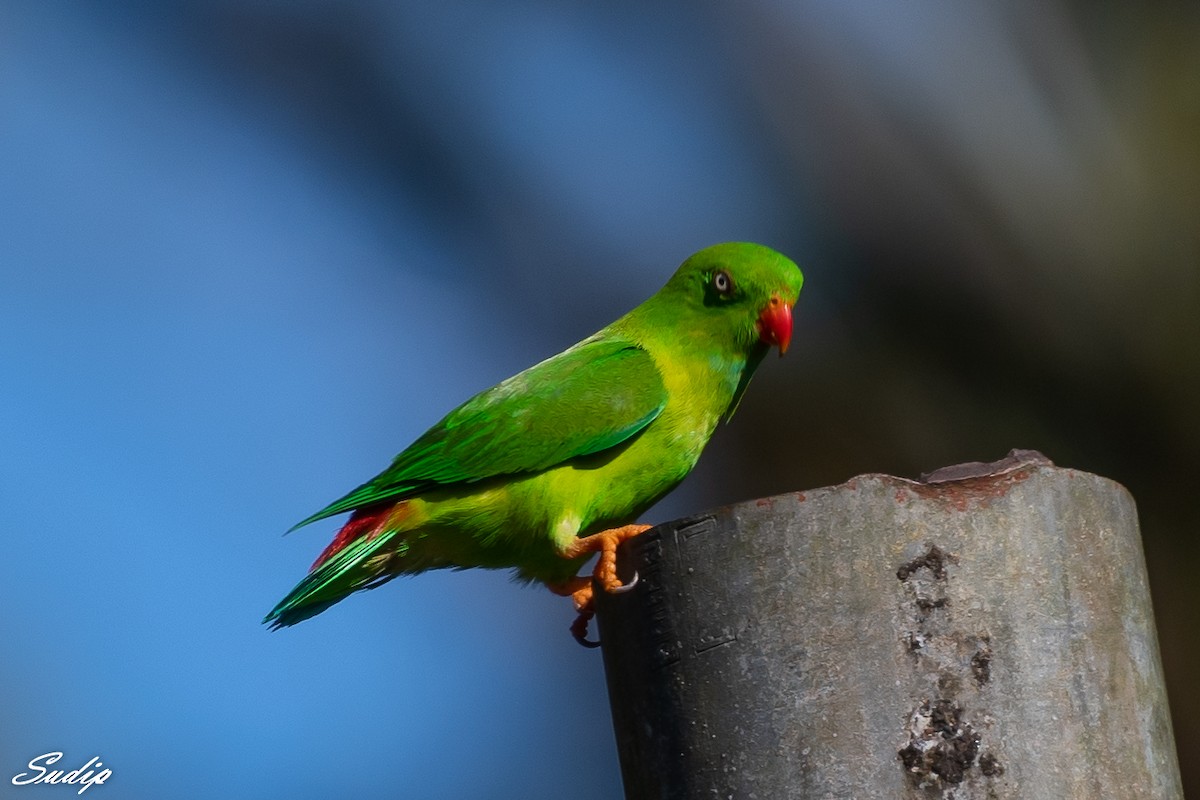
<point x="586" y="399"/>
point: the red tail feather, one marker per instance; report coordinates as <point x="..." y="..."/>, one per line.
<point x="364" y="522"/>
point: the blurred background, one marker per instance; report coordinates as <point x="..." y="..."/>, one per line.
<point x="248" y="251"/>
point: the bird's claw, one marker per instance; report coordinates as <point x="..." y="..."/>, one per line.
<point x="623" y="588"/>
<point x="579" y="629"/>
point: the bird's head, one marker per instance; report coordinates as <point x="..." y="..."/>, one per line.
<point x="738" y="293"/>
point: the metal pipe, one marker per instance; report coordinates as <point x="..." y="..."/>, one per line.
<point x="985" y="633"/>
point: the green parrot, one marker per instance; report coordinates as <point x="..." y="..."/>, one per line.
<point x="553" y="465"/>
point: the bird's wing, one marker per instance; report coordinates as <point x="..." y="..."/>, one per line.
<point x="582" y="401"/>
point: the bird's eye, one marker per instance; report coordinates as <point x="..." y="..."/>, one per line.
<point x="722" y="281"/>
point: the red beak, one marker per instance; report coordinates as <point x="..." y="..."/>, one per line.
<point x="775" y="324"/>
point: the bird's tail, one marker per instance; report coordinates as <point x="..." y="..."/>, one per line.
<point x="350" y="562"/>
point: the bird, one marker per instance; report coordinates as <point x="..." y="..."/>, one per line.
<point x="556" y="463"/>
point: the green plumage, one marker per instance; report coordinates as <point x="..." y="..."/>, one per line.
<point x="589" y="398"/>
<point x="580" y="442"/>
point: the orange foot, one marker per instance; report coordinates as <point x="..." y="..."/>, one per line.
<point x="580" y="588"/>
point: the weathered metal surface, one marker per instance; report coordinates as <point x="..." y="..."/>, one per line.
<point x="982" y="637"/>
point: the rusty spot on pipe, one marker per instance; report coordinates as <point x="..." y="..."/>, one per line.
<point x="934" y="559"/>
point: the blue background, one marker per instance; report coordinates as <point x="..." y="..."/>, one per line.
<point x="248" y="251"/>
